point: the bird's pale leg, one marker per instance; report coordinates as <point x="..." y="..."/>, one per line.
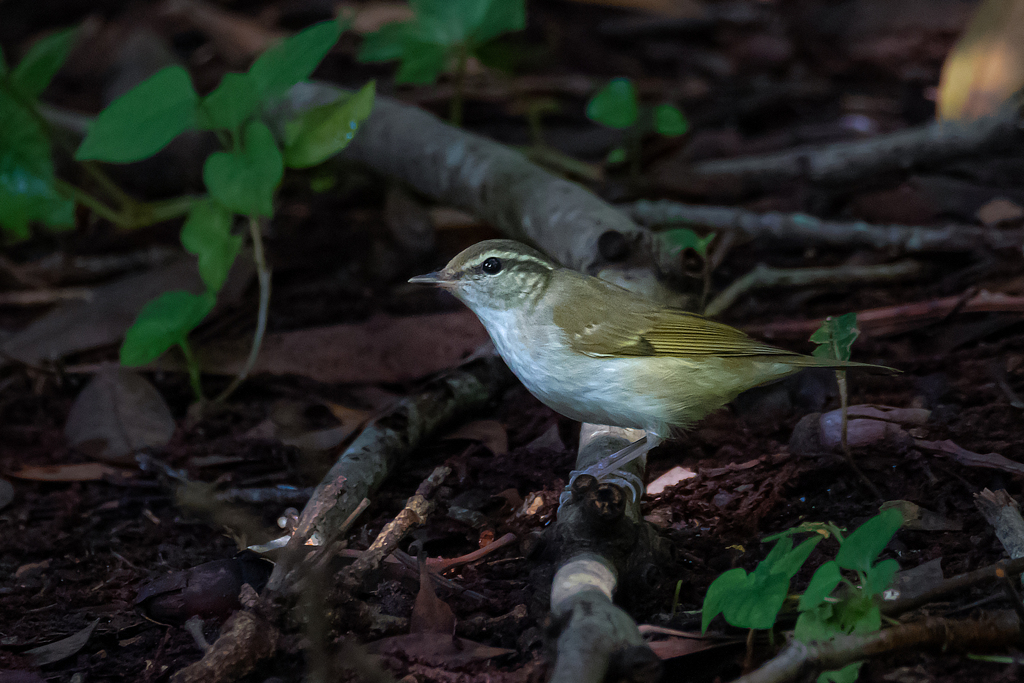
<point x="609" y="468"/>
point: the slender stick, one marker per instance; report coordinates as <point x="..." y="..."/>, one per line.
<point x="263" y="276"/>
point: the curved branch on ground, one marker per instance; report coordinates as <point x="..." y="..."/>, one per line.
<point x="809" y="230"/>
<point x="849" y="162"/>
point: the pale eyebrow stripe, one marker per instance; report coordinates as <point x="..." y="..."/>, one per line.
<point x="510" y="257"/>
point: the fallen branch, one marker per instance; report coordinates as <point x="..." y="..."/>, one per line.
<point x="601" y="538"/>
<point x="849" y="162"/>
<point x="764" y="277"/>
<point x="415" y="513"/>
<point x="809" y="230"/>
<point x="248" y="639"/>
<point x="797" y="659"/>
<point x="954" y="584"/>
<point x="386" y="441"/>
<point x="879" y="322"/>
<point x="492" y="181"/>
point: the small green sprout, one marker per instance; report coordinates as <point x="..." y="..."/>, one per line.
<point x="855" y="609"/>
<point x="242" y="179"/>
<point x="29" y="189"/>
<point x="835" y="337"/>
<point x="617" y="105"/>
<point x="442" y="36"/>
<point x="754" y="600"/>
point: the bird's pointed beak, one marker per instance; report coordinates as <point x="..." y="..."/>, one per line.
<point x="438" y="278"/>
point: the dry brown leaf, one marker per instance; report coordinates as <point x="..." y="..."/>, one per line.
<point x="82" y="325"/>
<point x="987" y="64"/>
<point x="54" y="652"/>
<point x="436" y="649"/>
<point x="430" y="614"/>
<point x="383" y="349"/>
<point x="999" y="211"/>
<point x="116" y="415"/>
<point x="86" y="471"/>
<point x="670" y="478"/>
<point x="489" y="433"/>
<point x="917" y="518"/>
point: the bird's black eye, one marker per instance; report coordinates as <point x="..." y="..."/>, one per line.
<point x="491" y="266"/>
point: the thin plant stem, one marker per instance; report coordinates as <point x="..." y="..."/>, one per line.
<point x="167" y="209"/>
<point x="108" y="184"/>
<point x="263" y="276"/>
<point x="843" y="402"/>
<point x="92" y="203"/>
<point x="193" y="369"/>
<point x="455" y="109"/>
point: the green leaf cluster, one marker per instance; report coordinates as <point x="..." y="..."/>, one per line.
<point x="855" y="609"/>
<point x="754" y="600"/>
<point x="835" y="337"/>
<point x="617" y="105"/>
<point x="241" y="179"/>
<point x="28" y="189"/>
<point x="440" y="31"/>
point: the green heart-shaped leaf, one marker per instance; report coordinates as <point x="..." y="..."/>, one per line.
<point x="615" y="105"/>
<point x="144" y="120"/>
<point x="244" y="181"/>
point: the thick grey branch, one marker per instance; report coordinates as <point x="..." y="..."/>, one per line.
<point x="490" y="180"/>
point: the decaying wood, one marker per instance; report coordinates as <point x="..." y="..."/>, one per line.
<point x="602" y="543"/>
<point x="413" y="514"/>
<point x="249" y="639"/>
<point x="389" y="439"/>
<point x="809" y="230"/>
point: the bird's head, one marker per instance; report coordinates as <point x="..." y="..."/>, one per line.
<point x="494" y="275"/>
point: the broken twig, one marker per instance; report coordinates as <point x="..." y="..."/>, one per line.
<point x="764" y="277"/>
<point x="848" y="162"/>
<point x="809" y="230"/>
<point x="991" y="631"/>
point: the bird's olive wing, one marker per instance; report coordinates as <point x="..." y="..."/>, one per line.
<point x="614" y="322"/>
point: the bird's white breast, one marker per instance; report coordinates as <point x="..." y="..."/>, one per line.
<point x="598" y="390"/>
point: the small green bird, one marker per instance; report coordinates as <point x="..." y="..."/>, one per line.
<point x="598" y="353"/>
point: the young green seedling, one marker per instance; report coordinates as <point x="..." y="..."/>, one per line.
<point x="29" y="189"/>
<point x="442" y="36"/>
<point x="835" y="338"/>
<point x="242" y="179"/>
<point x="754" y="600"/>
<point x="855" y="609"/>
<point x="617" y="105"/>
